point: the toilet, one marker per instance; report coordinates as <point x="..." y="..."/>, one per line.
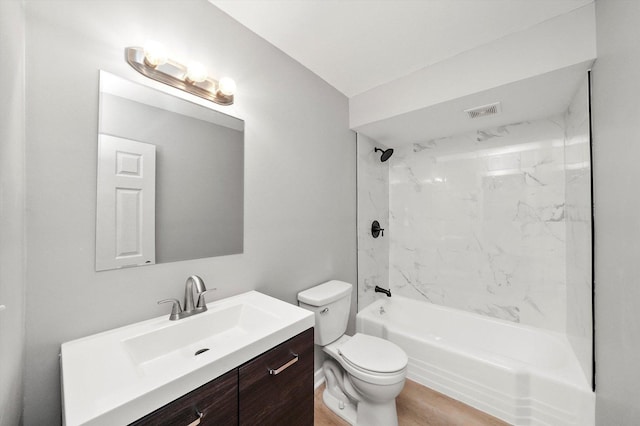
<point x="365" y="374"/>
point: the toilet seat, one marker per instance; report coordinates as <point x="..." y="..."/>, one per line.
<point x="372" y="352"/>
<point x="373" y="355"/>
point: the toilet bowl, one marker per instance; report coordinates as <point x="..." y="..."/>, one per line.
<point x="364" y="374"/>
<point x="374" y="373"/>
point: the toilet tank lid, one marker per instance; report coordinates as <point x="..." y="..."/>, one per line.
<point x="325" y="293"/>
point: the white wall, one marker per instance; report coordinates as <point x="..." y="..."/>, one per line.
<point x="300" y="218"/>
<point x="616" y="144"/>
<point x="11" y="211"/>
<point x="518" y="56"/>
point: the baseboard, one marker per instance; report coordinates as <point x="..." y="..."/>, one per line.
<point x="318" y="378"/>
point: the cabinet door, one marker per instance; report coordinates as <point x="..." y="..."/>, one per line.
<point x="217" y="401"/>
<point x="276" y="388"/>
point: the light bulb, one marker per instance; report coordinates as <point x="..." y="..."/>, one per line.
<point x="227" y="86"/>
<point x="196" y="73"/>
<point x="154" y="54"/>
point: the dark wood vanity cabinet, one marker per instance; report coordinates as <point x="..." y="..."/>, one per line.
<point x="215" y="403"/>
<point x="275" y="388"/>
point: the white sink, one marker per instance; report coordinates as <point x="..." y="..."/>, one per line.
<point x="120" y="375"/>
<point x="182" y="338"/>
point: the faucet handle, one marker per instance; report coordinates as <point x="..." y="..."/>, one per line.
<point x="176" y="309"/>
<point x="202" y="301"/>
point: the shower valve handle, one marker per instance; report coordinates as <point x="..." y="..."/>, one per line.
<point x="376" y="230"/>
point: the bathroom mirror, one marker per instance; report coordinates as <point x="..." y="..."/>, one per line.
<point x="170" y="178"/>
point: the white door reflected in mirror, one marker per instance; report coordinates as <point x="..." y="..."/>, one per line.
<point x="125" y="223"/>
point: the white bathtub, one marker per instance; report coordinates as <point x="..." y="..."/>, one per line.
<point x="520" y="374"/>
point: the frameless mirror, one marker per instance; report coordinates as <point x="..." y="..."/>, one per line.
<point x="170" y="178"/>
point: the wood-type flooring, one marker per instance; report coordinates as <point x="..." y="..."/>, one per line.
<point x="417" y="405"/>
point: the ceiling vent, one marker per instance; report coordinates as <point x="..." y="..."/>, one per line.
<point x="484" y="110"/>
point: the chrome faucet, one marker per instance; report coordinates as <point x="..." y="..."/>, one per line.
<point x="196" y="283"/>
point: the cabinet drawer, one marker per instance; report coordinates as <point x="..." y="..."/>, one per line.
<point x="276" y="388"/>
<point x="216" y="400"/>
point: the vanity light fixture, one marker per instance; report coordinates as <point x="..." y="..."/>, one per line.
<point x="152" y="61"/>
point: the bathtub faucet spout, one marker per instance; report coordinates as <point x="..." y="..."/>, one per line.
<point x="379" y="289"/>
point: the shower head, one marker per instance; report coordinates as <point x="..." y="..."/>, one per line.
<point x="386" y="153"/>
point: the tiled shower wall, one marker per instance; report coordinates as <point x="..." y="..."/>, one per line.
<point x="477" y="222"/>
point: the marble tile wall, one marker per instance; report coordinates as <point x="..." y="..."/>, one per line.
<point x="477" y="222"/>
<point x="373" y="204"/>
<point x="578" y="220"/>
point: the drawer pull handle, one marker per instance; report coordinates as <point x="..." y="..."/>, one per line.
<point x="284" y="367"/>
<point x="196" y="422"/>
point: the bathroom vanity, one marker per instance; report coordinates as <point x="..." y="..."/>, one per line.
<point x="252" y="394"/>
<point x="247" y="360"/>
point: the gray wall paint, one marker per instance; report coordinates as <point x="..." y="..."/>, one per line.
<point x="300" y="219"/>
<point x="11" y="211"/>
<point x="616" y="144"/>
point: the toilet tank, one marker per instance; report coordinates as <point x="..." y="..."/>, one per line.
<point x="331" y="303"/>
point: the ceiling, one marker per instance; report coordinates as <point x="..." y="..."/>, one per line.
<point x="534" y="98"/>
<point x="356" y="45"/>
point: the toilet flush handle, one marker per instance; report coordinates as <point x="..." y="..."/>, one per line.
<point x="324" y="311"/>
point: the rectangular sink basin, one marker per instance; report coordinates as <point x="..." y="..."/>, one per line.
<point x="183" y="338"/>
<point x="120" y="375"/>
